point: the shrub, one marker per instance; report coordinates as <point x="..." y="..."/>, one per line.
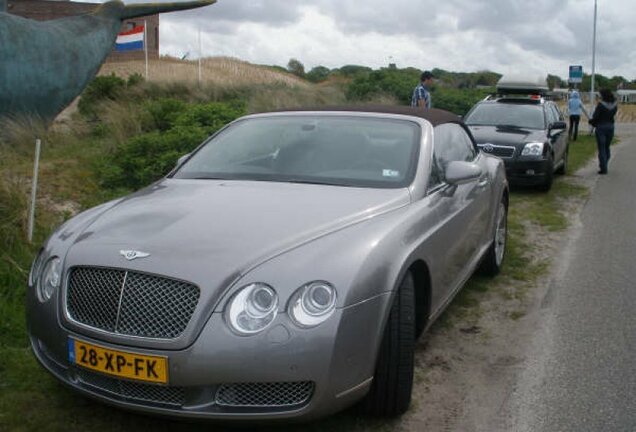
<point x="101" y="88"/>
<point x="396" y="82"/>
<point x="181" y="127"/>
<point x="105" y="88"/>
<point x="164" y="112"/>
<point x="135" y="79"/>
<point x="296" y="67"/>
<point x="458" y="101"/>
<point x="400" y="83"/>
<point x="318" y="74"/>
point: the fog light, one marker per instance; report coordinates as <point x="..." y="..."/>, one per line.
<point x="530" y="172"/>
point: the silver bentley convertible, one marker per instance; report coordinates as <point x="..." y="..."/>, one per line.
<point x="284" y="269"/>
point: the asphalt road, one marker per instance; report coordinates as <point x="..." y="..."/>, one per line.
<point x="580" y="371"/>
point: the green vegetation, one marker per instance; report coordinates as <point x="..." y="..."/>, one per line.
<point x="581" y="151"/>
<point x="447" y="93"/>
<point x="177" y="128"/>
<point x="123" y="140"/>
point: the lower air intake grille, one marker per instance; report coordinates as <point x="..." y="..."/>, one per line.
<point x="264" y="395"/>
<point x="133" y="391"/>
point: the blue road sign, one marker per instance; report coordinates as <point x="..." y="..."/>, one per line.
<point x="576" y="74"/>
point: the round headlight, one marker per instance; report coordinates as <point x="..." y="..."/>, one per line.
<point x="34" y="274"/>
<point x="252" y="309"/>
<point x="50" y="279"/>
<point x="312" y="304"/>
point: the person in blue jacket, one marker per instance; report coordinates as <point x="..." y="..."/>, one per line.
<point x="575" y="107"/>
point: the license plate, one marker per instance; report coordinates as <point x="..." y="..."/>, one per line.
<point x="120" y="364"/>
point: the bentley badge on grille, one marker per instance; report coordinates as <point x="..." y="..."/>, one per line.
<point x="132" y="254"/>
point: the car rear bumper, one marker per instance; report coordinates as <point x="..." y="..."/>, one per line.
<point x="282" y="373"/>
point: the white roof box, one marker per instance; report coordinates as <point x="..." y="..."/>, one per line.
<point x="520" y="84"/>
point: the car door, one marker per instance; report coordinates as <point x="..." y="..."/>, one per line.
<point x="463" y="210"/>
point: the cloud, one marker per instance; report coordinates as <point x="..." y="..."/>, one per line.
<point x="463" y="35"/>
<point x="225" y="16"/>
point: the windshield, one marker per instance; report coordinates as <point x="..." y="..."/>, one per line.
<point x="507" y="115"/>
<point x="337" y="150"/>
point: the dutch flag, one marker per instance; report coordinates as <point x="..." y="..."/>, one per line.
<point x="130" y="40"/>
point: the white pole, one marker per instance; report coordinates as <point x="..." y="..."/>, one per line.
<point x="34" y="187"/>
<point x="146" y="47"/>
<point x="593" y="62"/>
<point x="199" y="56"/>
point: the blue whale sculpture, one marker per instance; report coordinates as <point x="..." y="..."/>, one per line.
<point x="44" y="65"/>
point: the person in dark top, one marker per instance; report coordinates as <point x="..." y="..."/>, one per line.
<point x="603" y="121"/>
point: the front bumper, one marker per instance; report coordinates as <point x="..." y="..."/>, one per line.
<point x="327" y="368"/>
<point x="527" y="172"/>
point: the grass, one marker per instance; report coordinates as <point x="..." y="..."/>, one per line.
<point x="222" y="71"/>
<point x="30" y="399"/>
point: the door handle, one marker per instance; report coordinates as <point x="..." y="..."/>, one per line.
<point x="483" y="181"/>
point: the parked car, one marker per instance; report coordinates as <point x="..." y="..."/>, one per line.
<point x="526" y="130"/>
<point x="284" y="269"/>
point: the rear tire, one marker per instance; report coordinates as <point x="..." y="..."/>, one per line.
<point x="493" y="260"/>
<point x="390" y="393"/>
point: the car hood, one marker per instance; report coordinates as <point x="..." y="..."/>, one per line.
<point x="212" y="232"/>
<point x="506" y="136"/>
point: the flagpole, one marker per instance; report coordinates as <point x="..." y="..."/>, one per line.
<point x="146" y="47"/>
<point x="592" y="93"/>
<point x="199" y="56"/>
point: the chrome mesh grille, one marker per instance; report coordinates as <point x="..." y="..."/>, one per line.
<point x="130" y="303"/>
<point x="93" y="296"/>
<point x="133" y="391"/>
<point x="281" y="394"/>
<point x="501" y="151"/>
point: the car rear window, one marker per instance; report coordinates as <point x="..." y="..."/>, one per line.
<point x="322" y="149"/>
<point x="527" y="116"/>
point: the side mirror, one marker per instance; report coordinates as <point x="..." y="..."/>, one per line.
<point x="458" y="172"/>
<point x="558" y="125"/>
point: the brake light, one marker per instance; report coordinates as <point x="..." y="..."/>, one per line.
<point x="535" y="97"/>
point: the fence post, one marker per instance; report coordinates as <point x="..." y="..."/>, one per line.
<point x="34" y="187"/>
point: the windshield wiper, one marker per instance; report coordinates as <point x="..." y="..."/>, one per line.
<point x="316" y="182"/>
<point x="509" y="126"/>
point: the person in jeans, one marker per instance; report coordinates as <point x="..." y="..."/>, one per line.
<point x="421" y="94"/>
<point x="603" y="121"/>
<point x="575" y="107"/>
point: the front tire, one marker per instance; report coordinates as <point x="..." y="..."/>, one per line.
<point x="549" y="176"/>
<point x="493" y="260"/>
<point x="390" y="393"/>
<point x="563" y="169"/>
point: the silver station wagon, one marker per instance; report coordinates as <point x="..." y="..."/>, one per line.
<point x="283" y="270"/>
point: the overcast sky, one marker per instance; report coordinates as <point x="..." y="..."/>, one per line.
<point x="538" y="36"/>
